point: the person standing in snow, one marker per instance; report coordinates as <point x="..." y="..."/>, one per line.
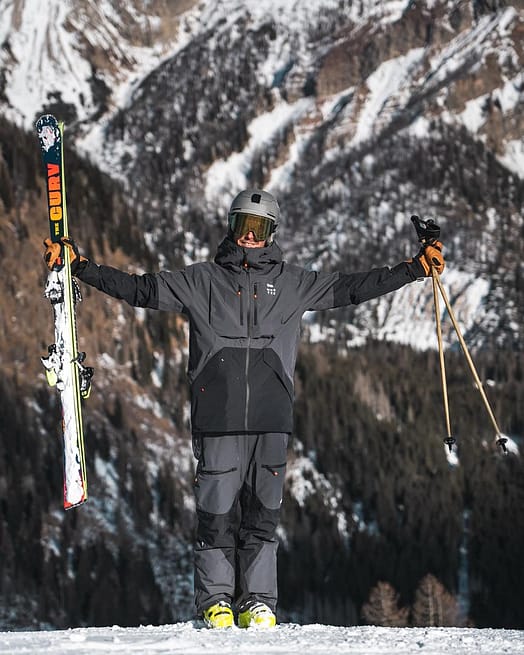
<point x="244" y="312"/>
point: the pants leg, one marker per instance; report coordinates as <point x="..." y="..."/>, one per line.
<point x="217" y="487"/>
<point x="238" y="492"/>
<point x="260" y="502"/>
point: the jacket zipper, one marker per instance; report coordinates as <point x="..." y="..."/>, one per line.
<point x="255" y="311"/>
<point x="239" y="294"/>
<point x="248" y="318"/>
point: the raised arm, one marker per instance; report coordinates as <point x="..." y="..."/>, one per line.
<point x="169" y="291"/>
<point x="329" y="290"/>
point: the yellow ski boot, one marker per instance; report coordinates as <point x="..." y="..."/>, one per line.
<point x="257" y="615"/>
<point x="219" y="615"/>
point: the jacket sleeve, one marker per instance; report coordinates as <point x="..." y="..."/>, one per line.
<point x="166" y="290"/>
<point x="330" y="290"/>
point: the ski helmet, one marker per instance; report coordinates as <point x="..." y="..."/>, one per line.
<point x="254" y="210"/>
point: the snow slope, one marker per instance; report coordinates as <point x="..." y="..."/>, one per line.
<point x="190" y="638"/>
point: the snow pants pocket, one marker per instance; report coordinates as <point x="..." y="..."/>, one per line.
<point x="217" y="480"/>
<point x="270" y="469"/>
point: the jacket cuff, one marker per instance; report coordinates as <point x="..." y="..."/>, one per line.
<point x="87" y="271"/>
<point x="416" y="269"/>
<point x="77" y="267"/>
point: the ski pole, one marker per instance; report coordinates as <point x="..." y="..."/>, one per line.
<point x="449" y="440"/>
<point x="428" y="232"/>
<point x="500" y="439"/>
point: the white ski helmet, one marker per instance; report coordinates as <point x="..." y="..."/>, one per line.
<point x="255" y="210"/>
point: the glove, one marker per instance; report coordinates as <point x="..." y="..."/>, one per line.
<point x="431" y="256"/>
<point x="53" y="253"/>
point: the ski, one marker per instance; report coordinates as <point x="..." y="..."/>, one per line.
<point x="64" y="364"/>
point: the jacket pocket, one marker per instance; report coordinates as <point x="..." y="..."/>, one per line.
<point x="271" y="394"/>
<point x="218" y="393"/>
<point x="226" y="310"/>
<point x="272" y="360"/>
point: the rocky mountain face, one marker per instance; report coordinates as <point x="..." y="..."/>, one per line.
<point x="356" y="115"/>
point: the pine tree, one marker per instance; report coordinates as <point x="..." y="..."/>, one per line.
<point x="434" y="606"/>
<point x="382" y="607"/>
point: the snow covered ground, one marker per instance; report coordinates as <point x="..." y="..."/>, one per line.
<point x="191" y="638"/>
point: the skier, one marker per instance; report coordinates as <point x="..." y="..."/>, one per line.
<point x="244" y="312"/>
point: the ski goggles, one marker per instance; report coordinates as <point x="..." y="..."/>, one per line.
<point x="261" y="227"/>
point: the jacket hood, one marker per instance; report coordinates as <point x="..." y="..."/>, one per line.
<point x="233" y="257"/>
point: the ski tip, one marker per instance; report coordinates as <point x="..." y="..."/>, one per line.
<point x="46" y="119"/>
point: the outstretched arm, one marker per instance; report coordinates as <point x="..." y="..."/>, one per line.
<point x="137" y="290"/>
<point x="329" y="290"/>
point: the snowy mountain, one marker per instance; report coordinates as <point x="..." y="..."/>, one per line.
<point x="310" y="101"/>
<point x="356" y="115"/>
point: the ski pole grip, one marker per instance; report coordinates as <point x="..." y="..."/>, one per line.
<point x="427" y="231"/>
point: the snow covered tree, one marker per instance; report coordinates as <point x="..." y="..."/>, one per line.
<point x="382" y="607"/>
<point x="434" y="606"/>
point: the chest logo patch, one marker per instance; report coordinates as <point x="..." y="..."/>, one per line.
<point x="270" y="289"/>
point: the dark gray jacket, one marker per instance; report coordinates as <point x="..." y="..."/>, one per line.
<point x="244" y="312"/>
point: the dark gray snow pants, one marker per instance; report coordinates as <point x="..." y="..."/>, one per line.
<point x="238" y="490"/>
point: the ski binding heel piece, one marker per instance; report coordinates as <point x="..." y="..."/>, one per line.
<point x="85" y="374"/>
